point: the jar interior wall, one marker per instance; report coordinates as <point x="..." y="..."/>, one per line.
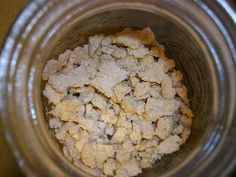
<point x="180" y="45"/>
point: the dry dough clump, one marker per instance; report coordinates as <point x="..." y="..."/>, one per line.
<point x="117" y="103"/>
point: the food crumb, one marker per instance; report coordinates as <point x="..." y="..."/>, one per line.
<point x="114" y="103"/>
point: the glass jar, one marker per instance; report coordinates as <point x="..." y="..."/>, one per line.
<point x="199" y="35"/>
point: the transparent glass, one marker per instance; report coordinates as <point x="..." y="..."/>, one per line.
<point x="200" y="36"/>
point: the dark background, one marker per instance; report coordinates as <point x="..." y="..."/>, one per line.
<point x="8" y="12"/>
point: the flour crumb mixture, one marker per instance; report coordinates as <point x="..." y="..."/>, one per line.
<point x="117" y="103"/>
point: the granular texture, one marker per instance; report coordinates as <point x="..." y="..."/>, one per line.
<point x="118" y="104"/>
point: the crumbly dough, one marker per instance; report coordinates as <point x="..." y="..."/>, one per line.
<point x="117" y="103"/>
